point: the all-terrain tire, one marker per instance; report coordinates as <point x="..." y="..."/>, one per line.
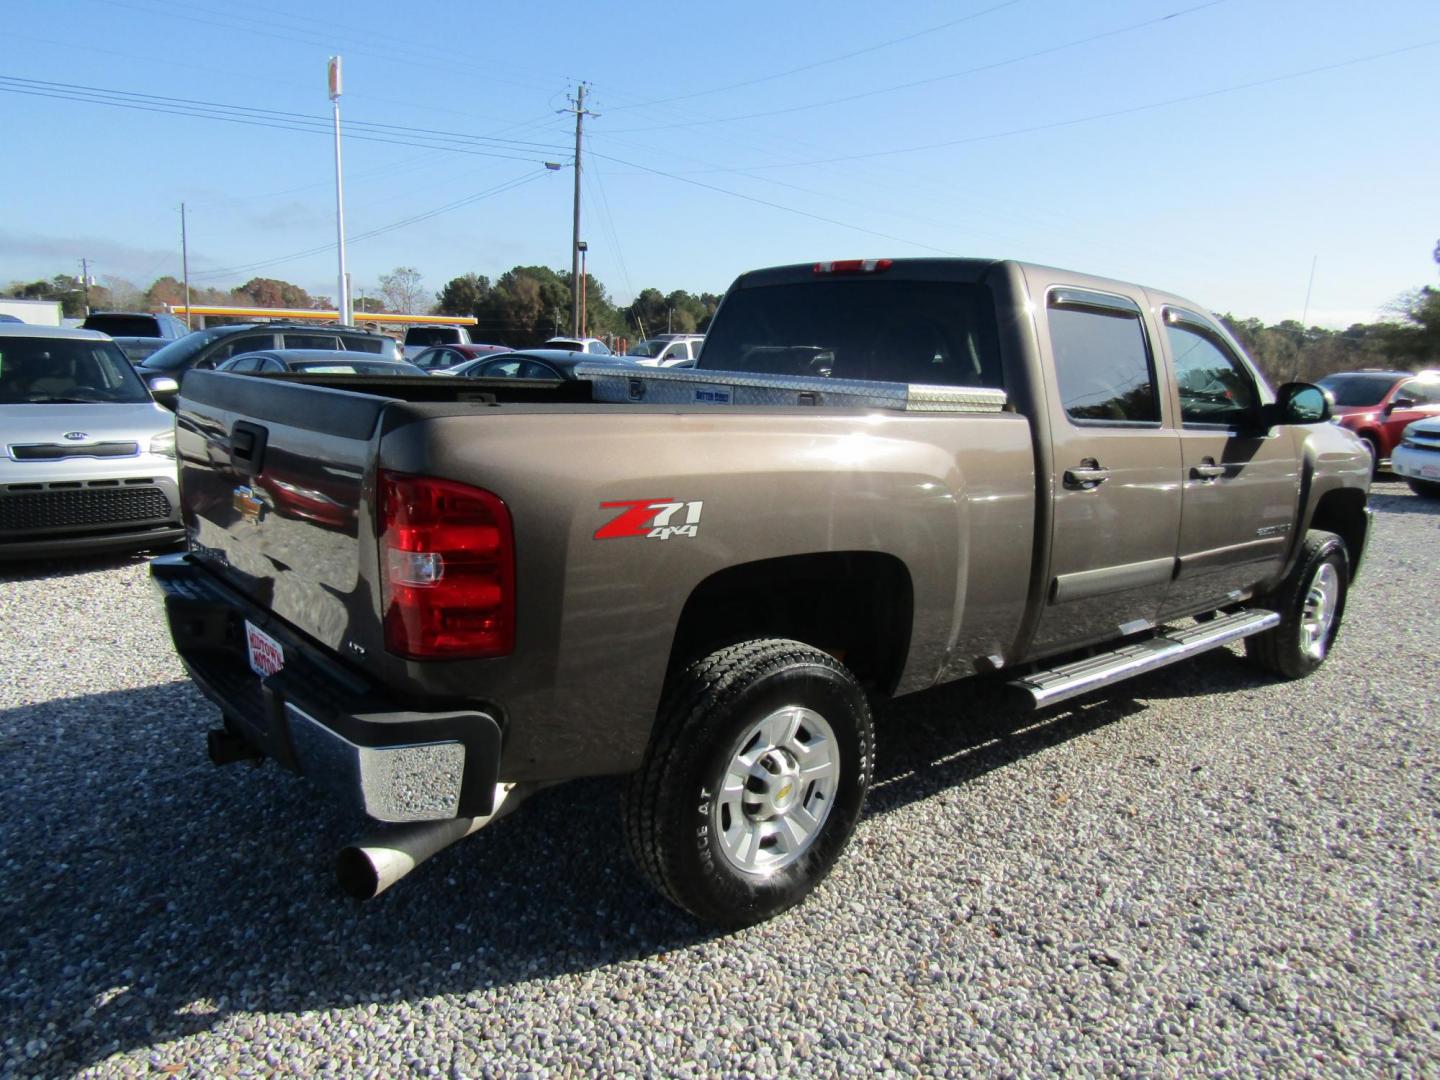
<point x="1311" y="602"/>
<point x="682" y="810"/>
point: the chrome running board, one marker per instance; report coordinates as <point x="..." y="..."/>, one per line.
<point x="1070" y="680"/>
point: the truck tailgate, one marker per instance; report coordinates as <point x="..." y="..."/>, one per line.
<point x="273" y="478"/>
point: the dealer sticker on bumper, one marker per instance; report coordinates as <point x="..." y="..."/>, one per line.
<point x="267" y="656"/>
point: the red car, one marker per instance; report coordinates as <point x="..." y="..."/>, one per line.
<point x="440" y="357"/>
<point x="1377" y="405"/>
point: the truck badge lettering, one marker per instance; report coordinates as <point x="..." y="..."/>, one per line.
<point x="654" y="519"/>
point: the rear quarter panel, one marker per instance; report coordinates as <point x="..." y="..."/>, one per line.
<point x="952" y="497"/>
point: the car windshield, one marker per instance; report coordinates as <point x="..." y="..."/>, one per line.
<point x="66" y="371"/>
<point x="118" y="325"/>
<point x="429" y="335"/>
<point x="178" y="354"/>
<point x="927" y="332"/>
<point x="1355" y="391"/>
<point x="354" y="367"/>
<point x="647" y="348"/>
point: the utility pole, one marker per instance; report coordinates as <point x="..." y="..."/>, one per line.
<point x="347" y="314"/>
<point x="584" y="323"/>
<point x="580" y="113"/>
<point x="185" y="264"/>
<point x="85" y="282"/>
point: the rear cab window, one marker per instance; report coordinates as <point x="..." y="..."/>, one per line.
<point x="937" y="333"/>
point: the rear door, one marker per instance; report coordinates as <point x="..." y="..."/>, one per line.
<point x="1114" y="464"/>
<point x="1241" y="485"/>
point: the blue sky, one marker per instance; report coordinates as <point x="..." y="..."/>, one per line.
<point x="1215" y="153"/>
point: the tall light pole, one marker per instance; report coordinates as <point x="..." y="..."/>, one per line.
<point x="185" y="264"/>
<point x="347" y="313"/>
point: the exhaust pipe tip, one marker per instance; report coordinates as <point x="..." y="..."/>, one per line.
<point x="372" y="864"/>
<point x="356" y="874"/>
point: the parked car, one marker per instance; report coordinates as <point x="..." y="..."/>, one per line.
<point x="1417" y="458"/>
<point x="423" y="337"/>
<point x="88" y="460"/>
<point x="1379" y="405"/>
<point x="439" y="357"/>
<point x="138" y="349"/>
<point x="314" y="362"/>
<point x="700" y="580"/>
<point x="667" y="350"/>
<point x="593" y="346"/>
<point x="136" y="324"/>
<point x="533" y="364"/>
<point x="209" y="348"/>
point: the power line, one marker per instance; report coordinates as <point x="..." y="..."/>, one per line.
<point x="772" y="205"/>
<point x="821" y="63"/>
<point x="308" y="126"/>
<point x="1127" y="111"/>
<point x="875" y="92"/>
<point x="262" y="264"/>
<point x="326" y="37"/>
<point x="279" y="115"/>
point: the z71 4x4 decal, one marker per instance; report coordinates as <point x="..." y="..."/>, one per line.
<point x="654" y="519"/>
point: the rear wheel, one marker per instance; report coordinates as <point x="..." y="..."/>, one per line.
<point x="753" y="782"/>
<point x="1311" y="602"/>
<point x="1428" y="488"/>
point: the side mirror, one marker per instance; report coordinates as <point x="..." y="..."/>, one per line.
<point x="162" y="386"/>
<point x="1300" y="403"/>
<point x="1399" y="403"/>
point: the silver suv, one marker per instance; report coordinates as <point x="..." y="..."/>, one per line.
<point x="87" y="459"/>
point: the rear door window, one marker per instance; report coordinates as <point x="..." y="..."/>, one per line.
<point x="234" y="346"/>
<point x="311" y="341"/>
<point x="1102" y="359"/>
<point x="368" y="345"/>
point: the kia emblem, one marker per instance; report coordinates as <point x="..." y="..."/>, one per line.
<point x="76" y="436"/>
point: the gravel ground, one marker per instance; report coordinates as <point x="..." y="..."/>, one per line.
<point x="1202" y="872"/>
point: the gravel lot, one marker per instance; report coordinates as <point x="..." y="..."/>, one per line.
<point x="1201" y="872"/>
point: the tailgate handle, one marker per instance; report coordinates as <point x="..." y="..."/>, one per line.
<point x="247" y="446"/>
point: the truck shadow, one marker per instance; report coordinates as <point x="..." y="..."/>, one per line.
<point x="151" y="896"/>
<point x="74" y="565"/>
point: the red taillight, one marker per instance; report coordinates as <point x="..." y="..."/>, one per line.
<point x="447" y="566"/>
<point x="854" y="266"/>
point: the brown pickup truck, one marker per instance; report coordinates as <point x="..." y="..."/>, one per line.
<point x="436" y="595"/>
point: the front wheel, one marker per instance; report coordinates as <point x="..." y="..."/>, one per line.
<point x="1311" y="602"/>
<point x="753" y="782"/>
<point x="1427" y="488"/>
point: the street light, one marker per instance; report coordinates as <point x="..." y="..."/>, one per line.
<point x="584" y="247"/>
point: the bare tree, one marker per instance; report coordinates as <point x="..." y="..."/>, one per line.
<point x="403" y="292"/>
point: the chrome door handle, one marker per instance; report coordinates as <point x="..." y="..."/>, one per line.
<point x="1207" y="471"/>
<point x="1086" y="476"/>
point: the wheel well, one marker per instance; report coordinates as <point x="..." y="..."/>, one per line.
<point x="855" y="605"/>
<point x="1343" y="513"/>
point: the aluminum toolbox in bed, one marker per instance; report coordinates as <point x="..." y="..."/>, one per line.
<point x="688" y="386"/>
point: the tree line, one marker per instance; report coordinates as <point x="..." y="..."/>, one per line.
<point x="528" y="304"/>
